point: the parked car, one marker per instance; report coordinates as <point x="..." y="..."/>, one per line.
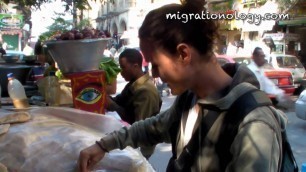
<point x="282" y="78"/>
<point x="300" y="106"/>
<point x="223" y="59"/>
<point x="289" y="63"/>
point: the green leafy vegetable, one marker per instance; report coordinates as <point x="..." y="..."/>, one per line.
<point x="59" y="74"/>
<point x="110" y="67"/>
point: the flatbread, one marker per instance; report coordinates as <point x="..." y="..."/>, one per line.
<point x="3" y="168"/>
<point x="3" y="129"/>
<point x="16" y="117"/>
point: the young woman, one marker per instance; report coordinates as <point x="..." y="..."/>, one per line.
<point x="181" y="54"/>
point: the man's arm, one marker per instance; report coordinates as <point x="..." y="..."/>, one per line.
<point x="111" y="105"/>
<point x="115" y="103"/>
<point x="281" y="96"/>
<point x="270" y="87"/>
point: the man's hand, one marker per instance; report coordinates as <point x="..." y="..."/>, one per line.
<point x="109" y="102"/>
<point x="89" y="157"/>
<point x="285" y="101"/>
<point x="111" y="105"/>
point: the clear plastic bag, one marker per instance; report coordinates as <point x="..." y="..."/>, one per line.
<point x="52" y="139"/>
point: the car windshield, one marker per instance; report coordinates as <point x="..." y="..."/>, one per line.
<point x="288" y="62"/>
<point x="242" y="60"/>
<point x="267" y="66"/>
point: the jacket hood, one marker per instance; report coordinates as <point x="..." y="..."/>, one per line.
<point x="240" y="73"/>
<point x="243" y="79"/>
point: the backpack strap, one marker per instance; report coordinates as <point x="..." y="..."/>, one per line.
<point x="287" y="159"/>
<point x="236" y="113"/>
<point x="184" y="103"/>
<point x="187" y="157"/>
<point x="233" y="117"/>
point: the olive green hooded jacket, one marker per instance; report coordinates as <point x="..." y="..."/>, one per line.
<point x="256" y="146"/>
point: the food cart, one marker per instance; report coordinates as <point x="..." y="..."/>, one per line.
<point x="79" y="61"/>
<point x="52" y="137"/>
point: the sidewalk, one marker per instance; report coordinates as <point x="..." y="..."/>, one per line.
<point x="159" y="160"/>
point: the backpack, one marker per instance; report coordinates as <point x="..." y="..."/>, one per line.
<point x="228" y="132"/>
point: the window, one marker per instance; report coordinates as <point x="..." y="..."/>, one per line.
<point x="242" y="60"/>
<point x="222" y="61"/>
<point x="288" y="62"/>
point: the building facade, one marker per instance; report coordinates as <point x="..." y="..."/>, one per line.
<point x="296" y="25"/>
<point x="124" y="17"/>
<point x="240" y="36"/>
<point x="12" y="33"/>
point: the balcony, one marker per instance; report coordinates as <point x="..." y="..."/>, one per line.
<point x="253" y="3"/>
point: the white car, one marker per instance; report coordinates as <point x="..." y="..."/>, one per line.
<point x="300" y="106"/>
<point x="290" y="63"/>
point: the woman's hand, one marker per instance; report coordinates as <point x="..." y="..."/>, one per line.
<point x="89" y="157"/>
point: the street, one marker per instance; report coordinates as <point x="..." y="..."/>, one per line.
<point x="296" y="132"/>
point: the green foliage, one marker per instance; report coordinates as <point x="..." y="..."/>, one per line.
<point x="59" y="74"/>
<point x="69" y="4"/>
<point x="47" y="35"/>
<point x="61" y="25"/>
<point x="286" y="4"/>
<point x="78" y="4"/>
<point x="111" y="69"/>
<point x="83" y="24"/>
<point x="58" y="26"/>
<point x="3" y="7"/>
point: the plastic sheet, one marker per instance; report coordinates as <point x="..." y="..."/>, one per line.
<point x="52" y="139"/>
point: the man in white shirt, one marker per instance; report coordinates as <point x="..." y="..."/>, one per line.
<point x="266" y="85"/>
<point x="28" y="50"/>
<point x="107" y="53"/>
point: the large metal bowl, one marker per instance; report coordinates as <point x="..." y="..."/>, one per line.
<point x="10" y="58"/>
<point x="30" y="59"/>
<point x="77" y="55"/>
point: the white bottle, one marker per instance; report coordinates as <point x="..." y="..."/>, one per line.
<point x="16" y="92"/>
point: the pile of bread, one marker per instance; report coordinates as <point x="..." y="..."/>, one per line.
<point x="5" y="123"/>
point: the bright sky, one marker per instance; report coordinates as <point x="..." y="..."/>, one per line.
<point x="43" y="18"/>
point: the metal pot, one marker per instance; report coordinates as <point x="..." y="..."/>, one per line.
<point x="77" y="55"/>
<point x="30" y="58"/>
<point x="8" y="58"/>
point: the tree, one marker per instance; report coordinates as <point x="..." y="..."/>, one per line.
<point x="3" y="7"/>
<point x="286" y="5"/>
<point x="69" y="4"/>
